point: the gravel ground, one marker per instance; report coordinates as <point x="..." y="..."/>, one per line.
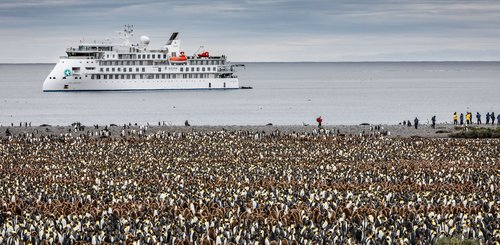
<point x="440" y="131"/>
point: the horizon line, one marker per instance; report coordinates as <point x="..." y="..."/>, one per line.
<point x="307" y="61"/>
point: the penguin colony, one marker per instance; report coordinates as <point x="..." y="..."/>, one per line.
<point x="245" y="187"/>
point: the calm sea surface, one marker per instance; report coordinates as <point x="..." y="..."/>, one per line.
<point x="283" y="94"/>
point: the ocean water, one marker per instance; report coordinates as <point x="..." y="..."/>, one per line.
<point x="282" y="94"/>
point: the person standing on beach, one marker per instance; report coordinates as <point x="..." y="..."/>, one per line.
<point x="319" y="120"/>
<point x="455" y="118"/>
<point x="492" y="115"/>
<point x="433" y="119"/>
<point x="416" y="122"/>
<point x="467" y="118"/>
<point x="461" y="119"/>
<point x="487" y="117"/>
<point x="478" y="117"/>
<point x="498" y="119"/>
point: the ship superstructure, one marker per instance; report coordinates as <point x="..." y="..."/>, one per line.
<point x="125" y="66"/>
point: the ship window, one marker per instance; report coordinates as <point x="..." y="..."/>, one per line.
<point x="153" y="56"/>
<point x="197" y="69"/>
<point x="163" y="76"/>
<point x="190" y="75"/>
<point x="107" y="69"/>
<point x="116" y="76"/>
<point x="173" y="75"/>
<point x="157" y="76"/>
<point x="133" y="76"/>
<point x="113" y="69"/>
<point x="141" y="76"/>
<point x="182" y="69"/>
<point x="143" y="69"/>
<point x="123" y="76"/>
<point x="130" y="69"/>
<point x="107" y="56"/>
<point x="184" y="75"/>
<point x="92" y="77"/>
<point x="203" y="69"/>
<point x="192" y="68"/>
<point x="113" y="56"/>
<point x="164" y="56"/>
<point x="88" y="68"/>
<point x="137" y="69"/>
<point x="128" y="76"/>
<point x="119" y="69"/>
<point x="159" y="69"/>
<point x="148" y="56"/>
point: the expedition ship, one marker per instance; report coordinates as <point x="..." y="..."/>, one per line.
<point x="108" y="66"/>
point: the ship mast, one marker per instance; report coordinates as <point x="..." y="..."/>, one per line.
<point x="128" y="32"/>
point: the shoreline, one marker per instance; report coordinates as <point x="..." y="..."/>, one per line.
<point x="132" y="130"/>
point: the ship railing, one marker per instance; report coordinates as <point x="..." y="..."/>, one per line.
<point x="206" y="58"/>
<point x="81" y="57"/>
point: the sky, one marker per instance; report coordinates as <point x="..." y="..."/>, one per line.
<point x="39" y="31"/>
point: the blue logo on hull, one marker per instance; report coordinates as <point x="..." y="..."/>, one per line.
<point x="67" y="72"/>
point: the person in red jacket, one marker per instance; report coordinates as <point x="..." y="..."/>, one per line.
<point x="319" y="120"/>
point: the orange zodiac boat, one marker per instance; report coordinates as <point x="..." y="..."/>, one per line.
<point x="181" y="59"/>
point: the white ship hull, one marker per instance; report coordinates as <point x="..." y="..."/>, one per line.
<point x="139" y="84"/>
<point x="106" y="66"/>
<point x="57" y="81"/>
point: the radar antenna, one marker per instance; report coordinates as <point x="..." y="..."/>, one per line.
<point x="129" y="29"/>
<point x="128" y="32"/>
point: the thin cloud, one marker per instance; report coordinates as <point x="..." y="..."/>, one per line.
<point x="262" y="30"/>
